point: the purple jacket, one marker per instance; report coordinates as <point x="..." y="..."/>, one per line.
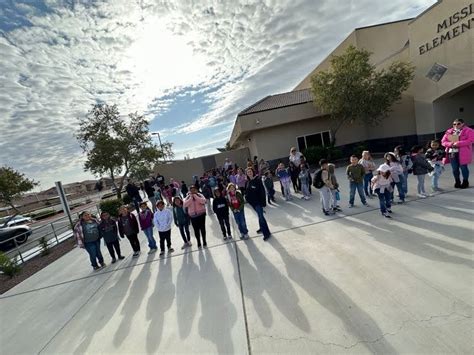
<point x="466" y="139"/>
<point x="146" y="219"/>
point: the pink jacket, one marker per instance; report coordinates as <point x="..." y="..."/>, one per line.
<point x="466" y="139"/>
<point x="196" y="205"/>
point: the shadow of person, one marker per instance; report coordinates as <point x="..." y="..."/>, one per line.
<point x="253" y="291"/>
<point x="335" y="300"/>
<point x="187" y="294"/>
<point x="158" y="303"/>
<point x="278" y="288"/>
<point x="103" y="309"/>
<point x="218" y="314"/>
<point x="133" y="301"/>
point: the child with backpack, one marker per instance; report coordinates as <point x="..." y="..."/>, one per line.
<point x="220" y="207"/>
<point x="421" y="167"/>
<point x="285" y="180"/>
<point x="435" y="155"/>
<point x="323" y="183"/>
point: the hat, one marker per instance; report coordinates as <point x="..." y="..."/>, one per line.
<point x="383" y="168"/>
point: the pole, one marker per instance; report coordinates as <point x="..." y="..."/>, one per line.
<point x="159" y="139"/>
<point x="64" y="203"/>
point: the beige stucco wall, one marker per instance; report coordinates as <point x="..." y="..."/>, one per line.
<point x="447" y="109"/>
<point x="457" y="54"/>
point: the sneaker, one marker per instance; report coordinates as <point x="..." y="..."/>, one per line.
<point x="121" y="257"/>
<point x="189" y="244"/>
<point x="205" y="245"/>
<point x="114" y="261"/>
<point x="170" y="250"/>
<point x="259" y="231"/>
<point x="366" y="204"/>
<point x="247" y="236"/>
<point x="162" y="253"/>
<point x="225" y="237"/>
<point x="152" y="251"/>
<point x="306" y="198"/>
<point x="421" y="195"/>
<point x="95" y="268"/>
<point x="401" y="202"/>
<point x="350" y="205"/>
<point x="242" y="237"/>
<point x="389" y="210"/>
<point x="326" y="213"/>
<point x="199" y="246"/>
<point x="103" y="264"/>
<point x="386" y="215"/>
<point x="185" y="245"/>
<point x="266" y="237"/>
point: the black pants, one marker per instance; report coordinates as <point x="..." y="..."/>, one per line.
<point x="133" y="239"/>
<point x="165" y="236"/>
<point x="199" y="226"/>
<point x="114" y="245"/>
<point x="224" y="223"/>
<point x="184" y="231"/>
<point x="296" y="183"/>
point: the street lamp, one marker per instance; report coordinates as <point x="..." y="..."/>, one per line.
<point x="159" y="139"/>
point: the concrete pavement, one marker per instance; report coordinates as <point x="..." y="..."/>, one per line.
<point x="351" y="283"/>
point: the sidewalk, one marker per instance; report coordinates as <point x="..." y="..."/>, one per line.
<point x="350" y="283"/>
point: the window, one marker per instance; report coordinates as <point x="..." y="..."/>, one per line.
<point x="314" y="140"/>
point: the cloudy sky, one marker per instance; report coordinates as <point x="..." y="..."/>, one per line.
<point x="189" y="66"/>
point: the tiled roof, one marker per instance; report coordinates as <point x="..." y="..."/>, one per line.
<point x="280" y="100"/>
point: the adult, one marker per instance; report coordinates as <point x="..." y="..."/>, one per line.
<point x="228" y="164"/>
<point x="195" y="203"/>
<point x="86" y="232"/>
<point x="295" y="158"/>
<point x="134" y="193"/>
<point x="128" y="226"/>
<point x="458" y="142"/>
<point x="256" y="197"/>
<point x="150" y="193"/>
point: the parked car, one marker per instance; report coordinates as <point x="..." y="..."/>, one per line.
<point x="12" y="233"/>
<point x="16" y="220"/>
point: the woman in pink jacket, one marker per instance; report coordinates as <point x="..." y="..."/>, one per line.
<point x="195" y="203"/>
<point x="458" y="143"/>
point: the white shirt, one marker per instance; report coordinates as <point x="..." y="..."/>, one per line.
<point x="163" y="220"/>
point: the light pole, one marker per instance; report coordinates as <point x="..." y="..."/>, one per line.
<point x="159" y="139"/>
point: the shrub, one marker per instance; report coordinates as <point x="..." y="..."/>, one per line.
<point x="358" y="149"/>
<point x="7" y="266"/>
<point x="126" y="199"/>
<point x="43" y="243"/>
<point x="316" y="153"/>
<point x="111" y="206"/>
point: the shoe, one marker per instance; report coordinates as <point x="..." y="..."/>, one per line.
<point x="389" y="210"/>
<point x="152" y="251"/>
<point x="225" y="237"/>
<point x="199" y="246"/>
<point x="421" y="195"/>
<point x="185" y="245"/>
<point x="229" y="237"/>
<point x="95" y="268"/>
<point x="190" y="244"/>
<point x="247" y="236"/>
<point x="162" y="253"/>
<point x="205" y="245"/>
<point x="350" y="206"/>
<point x="401" y="202"/>
<point x="114" y="261"/>
<point x="366" y="204"/>
<point x="121" y="257"/>
<point x="242" y="237"/>
<point x="337" y="209"/>
<point x="259" y="231"/>
<point x="103" y="264"/>
<point x="457" y="184"/>
<point x="386" y="215"/>
<point x="170" y="250"/>
<point x="266" y="237"/>
<point x="465" y="184"/>
<point x="306" y="198"/>
<point x="326" y="213"/>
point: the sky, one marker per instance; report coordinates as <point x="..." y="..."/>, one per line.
<point x="189" y="66"/>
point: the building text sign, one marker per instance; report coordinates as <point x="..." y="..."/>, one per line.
<point x="451" y="27"/>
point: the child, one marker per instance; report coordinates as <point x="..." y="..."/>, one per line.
<point x="195" y="204"/>
<point x="167" y="193"/>
<point x="435" y="155"/>
<point x="304" y="181"/>
<point x="355" y="173"/>
<point x="182" y="221"/>
<point x="236" y="204"/>
<point x="241" y="180"/>
<point x="268" y="183"/>
<point x="163" y="219"/>
<point x="285" y="180"/>
<point x="421" y="167"/>
<point x="382" y="186"/>
<point x="396" y="172"/>
<point x="322" y="181"/>
<point x="145" y="217"/>
<point x="221" y="209"/>
<point x="207" y="193"/>
<point x="184" y="189"/>
<point x="407" y="165"/>
<point x="369" y="166"/>
<point x="334" y="189"/>
<point x="128" y="226"/>
<point x="108" y="231"/>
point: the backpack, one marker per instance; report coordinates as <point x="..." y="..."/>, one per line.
<point x="318" y="179"/>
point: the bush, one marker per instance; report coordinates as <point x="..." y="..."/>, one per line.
<point x="314" y="154"/>
<point x="43" y="214"/>
<point x="7" y="266"/>
<point x="43" y="243"/>
<point x="111" y="206"/>
<point x="127" y="200"/>
<point x="358" y="149"/>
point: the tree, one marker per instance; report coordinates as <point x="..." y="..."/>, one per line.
<point x="115" y="146"/>
<point x="12" y="185"/>
<point x="354" y="91"/>
<point x="226" y="148"/>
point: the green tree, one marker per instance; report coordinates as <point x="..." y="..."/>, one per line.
<point x="12" y="185"/>
<point x="226" y="148"/>
<point x="117" y="146"/>
<point x="352" y="90"/>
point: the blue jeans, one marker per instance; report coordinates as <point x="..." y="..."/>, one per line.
<point x="401" y="192"/>
<point x="384" y="200"/>
<point x="367" y="178"/>
<point x="456" y="166"/>
<point x="438" y="169"/>
<point x="420" y="187"/>
<point x="405" y="182"/>
<point x="262" y="222"/>
<point x="241" y="223"/>
<point x="149" y="235"/>
<point x="93" y="248"/>
<point x="360" y="189"/>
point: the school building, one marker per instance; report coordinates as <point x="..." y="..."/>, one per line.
<point x="440" y="44"/>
